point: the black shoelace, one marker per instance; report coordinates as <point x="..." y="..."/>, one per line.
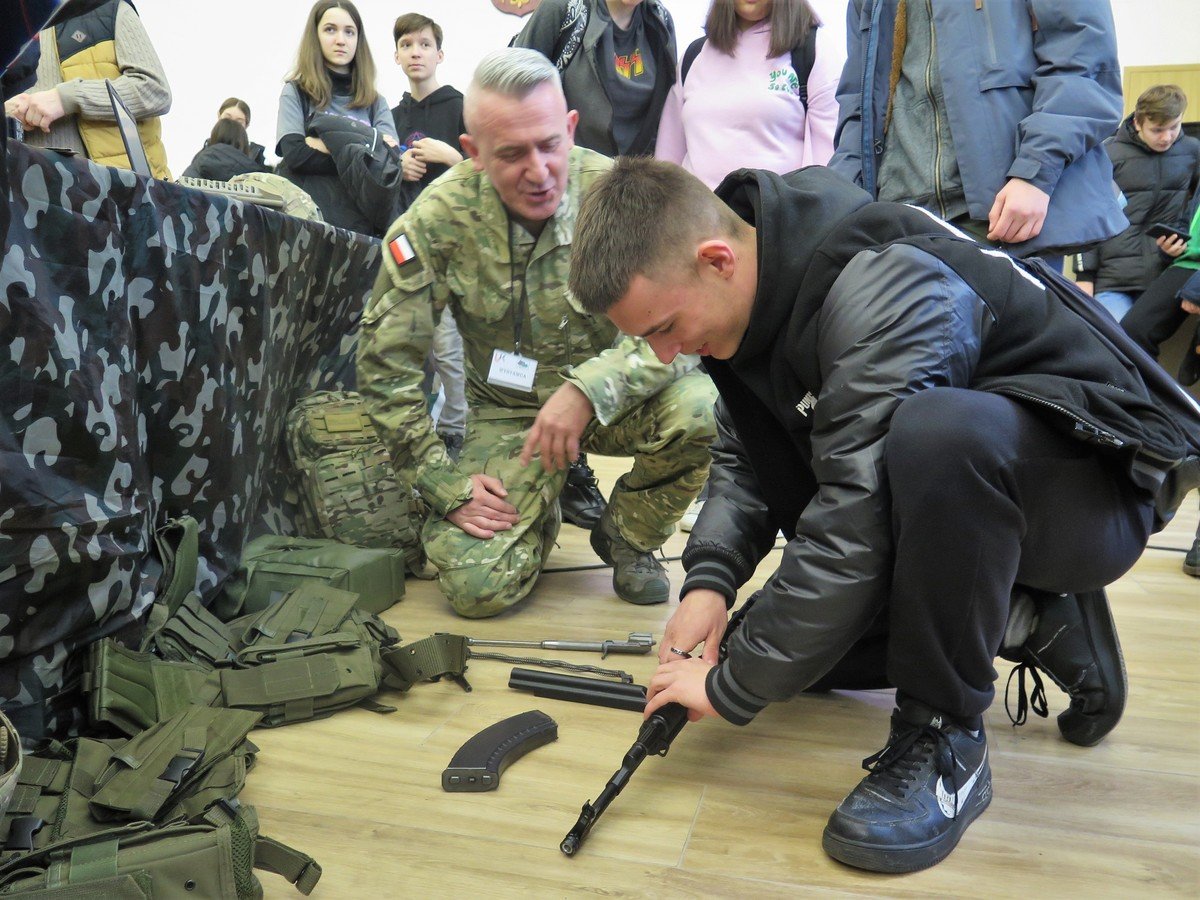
<point x="897" y="766"/>
<point x="1026" y="701"/>
<point x="584" y="475"/>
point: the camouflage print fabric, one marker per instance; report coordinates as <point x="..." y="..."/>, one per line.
<point x="667" y="436"/>
<point x="152" y="340"/>
<point x="465" y="256"/>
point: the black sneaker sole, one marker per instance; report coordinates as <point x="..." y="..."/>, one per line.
<point x="896" y="860"/>
<point x="1089" y="729"/>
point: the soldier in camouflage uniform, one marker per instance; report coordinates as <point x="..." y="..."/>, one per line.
<point x="491" y="240"/>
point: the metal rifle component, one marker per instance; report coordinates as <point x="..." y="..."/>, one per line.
<point x="654" y="739"/>
<point x="638" y="642"/>
<point x="553" y="664"/>
<point x="479" y="763"/>
<point x="579" y="689"/>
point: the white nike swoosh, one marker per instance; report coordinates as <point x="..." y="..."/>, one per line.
<point x="948" y="802"/>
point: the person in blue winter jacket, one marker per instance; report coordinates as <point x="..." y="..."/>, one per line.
<point x="991" y="115"/>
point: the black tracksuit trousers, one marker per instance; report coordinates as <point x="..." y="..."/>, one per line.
<point x="985" y="495"/>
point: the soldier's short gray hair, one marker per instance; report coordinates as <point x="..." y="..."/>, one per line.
<point x="514" y="72"/>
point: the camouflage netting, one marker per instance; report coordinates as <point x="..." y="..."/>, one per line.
<point x="152" y="341"/>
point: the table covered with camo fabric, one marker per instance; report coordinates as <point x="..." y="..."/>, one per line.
<point x="152" y="341"/>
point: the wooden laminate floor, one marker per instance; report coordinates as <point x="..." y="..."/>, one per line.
<point x="732" y="812"/>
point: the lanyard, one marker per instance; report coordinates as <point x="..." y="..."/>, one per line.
<point x="518" y="311"/>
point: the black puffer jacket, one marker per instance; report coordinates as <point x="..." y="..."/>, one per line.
<point x="1157" y="187"/>
<point x="807" y="399"/>
<point x="220" y="162"/>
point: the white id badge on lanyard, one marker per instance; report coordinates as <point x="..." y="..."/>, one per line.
<point x="512" y="370"/>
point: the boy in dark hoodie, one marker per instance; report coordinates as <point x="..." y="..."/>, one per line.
<point x="429" y="118"/>
<point x="429" y="121"/>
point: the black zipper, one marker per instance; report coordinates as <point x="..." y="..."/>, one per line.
<point x="1094" y="433"/>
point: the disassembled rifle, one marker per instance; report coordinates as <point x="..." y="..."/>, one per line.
<point x="638" y="642"/>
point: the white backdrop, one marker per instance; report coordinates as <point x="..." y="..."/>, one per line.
<point x="244" y="48"/>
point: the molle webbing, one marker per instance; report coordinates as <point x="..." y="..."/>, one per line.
<point x="425" y="660"/>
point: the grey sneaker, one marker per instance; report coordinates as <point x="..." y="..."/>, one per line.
<point x="637" y="576"/>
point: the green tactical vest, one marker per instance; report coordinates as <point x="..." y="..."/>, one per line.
<point x="10" y="762"/>
<point x="213" y="856"/>
<point x="347" y="487"/>
<point x="173" y="770"/>
<point x="309" y="655"/>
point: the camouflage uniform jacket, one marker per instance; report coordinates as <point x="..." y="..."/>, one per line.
<point x="459" y="232"/>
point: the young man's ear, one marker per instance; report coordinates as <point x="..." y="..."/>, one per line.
<point x="717" y="257"/>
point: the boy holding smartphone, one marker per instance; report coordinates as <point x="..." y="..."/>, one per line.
<point x="1157" y="168"/>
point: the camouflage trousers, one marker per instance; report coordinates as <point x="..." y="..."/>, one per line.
<point x="668" y="438"/>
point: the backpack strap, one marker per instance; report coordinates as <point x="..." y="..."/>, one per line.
<point x="570" y="35"/>
<point x="689" y="57"/>
<point x="804" y="55"/>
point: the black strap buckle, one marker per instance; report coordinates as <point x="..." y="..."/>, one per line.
<point x="21" y="831"/>
<point x="178" y="768"/>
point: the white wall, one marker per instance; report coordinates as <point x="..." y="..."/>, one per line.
<point x="245" y="48"/>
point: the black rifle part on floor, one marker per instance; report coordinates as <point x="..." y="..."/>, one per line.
<point x="578" y="689"/>
<point x="479" y="763"/>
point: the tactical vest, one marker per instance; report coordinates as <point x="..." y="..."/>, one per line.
<point x="10" y="762"/>
<point x="348" y="490"/>
<point x="305" y="657"/>
<point x="87" y="49"/>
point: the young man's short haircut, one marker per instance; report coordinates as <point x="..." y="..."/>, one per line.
<point x="411" y="23"/>
<point x="641" y="217"/>
<point x="1160" y="104"/>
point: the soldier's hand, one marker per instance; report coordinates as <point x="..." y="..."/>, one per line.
<point x="557" y="429"/>
<point x="487" y="511"/>
<point x="701" y="617"/>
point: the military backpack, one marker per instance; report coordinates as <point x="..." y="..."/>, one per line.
<point x="347" y="488"/>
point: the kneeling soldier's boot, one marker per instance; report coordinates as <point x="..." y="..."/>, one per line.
<point x="926" y="786"/>
<point x="637" y="576"/>
<point x="581" y="501"/>
<point x="1073" y="639"/>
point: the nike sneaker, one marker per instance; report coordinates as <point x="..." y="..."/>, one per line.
<point x="1072" y="639"/>
<point x="925" y="787"/>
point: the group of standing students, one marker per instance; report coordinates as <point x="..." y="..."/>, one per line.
<point x="768" y="88"/>
<point x="739" y="105"/>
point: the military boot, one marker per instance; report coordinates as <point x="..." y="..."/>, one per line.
<point x="581" y="501"/>
<point x="926" y="786"/>
<point x="1073" y="639"/>
<point x="637" y="576"/>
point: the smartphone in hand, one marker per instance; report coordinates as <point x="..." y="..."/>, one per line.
<point x="1160" y="229"/>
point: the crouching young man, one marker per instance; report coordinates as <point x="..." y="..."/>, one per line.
<point x="960" y="459"/>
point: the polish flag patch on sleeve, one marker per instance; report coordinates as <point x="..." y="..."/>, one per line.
<point x="402" y="250"/>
